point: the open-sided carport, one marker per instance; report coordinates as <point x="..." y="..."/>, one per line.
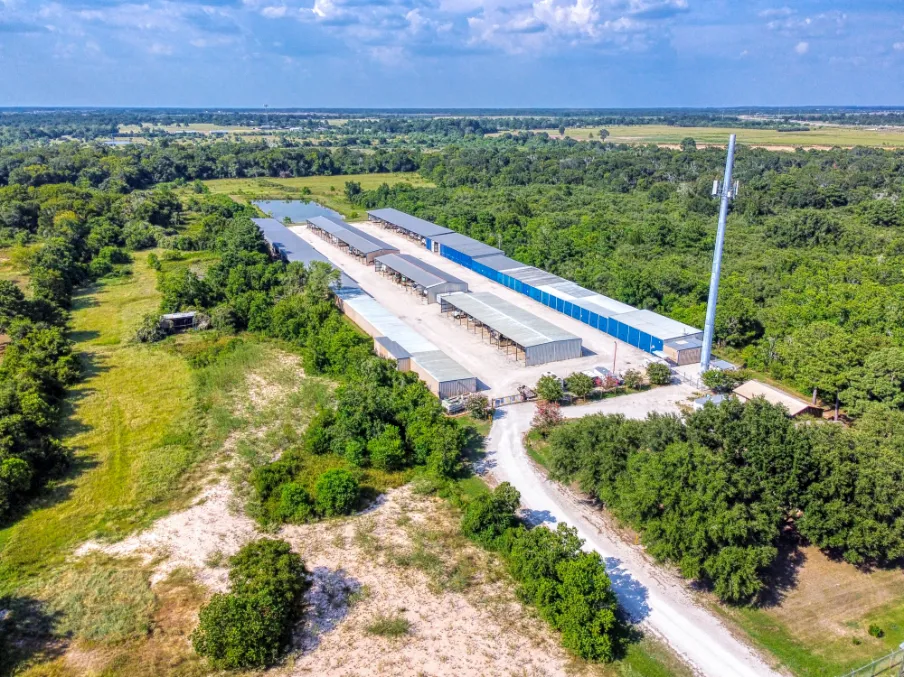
<point x="345" y="236"/>
<point x="514" y="331"/>
<point x="425" y="280"/>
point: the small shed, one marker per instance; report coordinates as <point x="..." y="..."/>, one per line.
<point x="173" y="323"/>
<point x="795" y="405"/>
<point x="681" y="351"/>
<point x="701" y="402"/>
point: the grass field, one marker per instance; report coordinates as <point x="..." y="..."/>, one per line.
<point x="203" y="127"/>
<point x="820" y="627"/>
<point x="327" y="190"/>
<point x="119" y="422"/>
<point x="817" y="137"/>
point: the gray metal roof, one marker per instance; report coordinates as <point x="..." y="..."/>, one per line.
<point x="327" y="224"/>
<point x="187" y="315"/>
<point x="416" y="270"/>
<point x="441" y="367"/>
<point x="501" y="263"/>
<point x="656" y="325"/>
<point x="293" y="248"/>
<point x="685" y="343"/>
<point x="407" y="222"/>
<point x="522" y="327"/>
<point x="287" y="243"/>
<point x="393" y="348"/>
<point x="354" y="237"/>
<point x="467" y="245"/>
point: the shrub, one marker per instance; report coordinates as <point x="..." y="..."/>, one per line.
<point x="337" y="492"/>
<point x="154" y="261"/>
<point x="317" y="435"/>
<point x="876" y="631"/>
<point x="479" y="407"/>
<point x="149" y="331"/>
<point x="389" y="626"/>
<point x="580" y="385"/>
<point x="489" y="515"/>
<point x="249" y="626"/>
<point x="659" y="374"/>
<point x="549" y="388"/>
<point x="295" y="504"/>
<point x="386" y="449"/>
<point x="633" y="379"/>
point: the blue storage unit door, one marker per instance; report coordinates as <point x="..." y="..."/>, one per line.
<point x="585" y="316"/>
<point x="655" y="344"/>
<point x="428" y="243"/>
<point x="634" y="337"/>
<point x="623" y="331"/>
<point x="455" y="255"/>
<point x="645" y="341"/>
<point x="612" y="329"/>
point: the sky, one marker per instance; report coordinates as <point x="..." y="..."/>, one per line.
<point x="451" y="53"/>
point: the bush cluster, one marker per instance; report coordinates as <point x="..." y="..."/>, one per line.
<point x="250" y="626"/>
<point x="712" y="493"/>
<point x="569" y="587"/>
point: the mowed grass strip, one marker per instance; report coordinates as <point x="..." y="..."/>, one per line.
<point x="122" y="422"/>
<point x="326" y="190"/>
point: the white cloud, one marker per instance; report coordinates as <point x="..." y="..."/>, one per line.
<point x="274" y="12"/>
<point x="160" y="49"/>
<point x="898" y="46"/>
<point x="779" y="11"/>
<point x="802" y="47"/>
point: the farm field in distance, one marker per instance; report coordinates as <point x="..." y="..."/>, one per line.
<point x="327" y="190"/>
<point x="821" y="137"/>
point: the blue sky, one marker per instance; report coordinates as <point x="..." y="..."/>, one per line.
<point x="461" y="53"/>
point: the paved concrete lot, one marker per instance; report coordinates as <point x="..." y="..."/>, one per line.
<point x="499" y="375"/>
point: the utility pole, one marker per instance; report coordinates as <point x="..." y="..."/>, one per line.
<point x="726" y="192"/>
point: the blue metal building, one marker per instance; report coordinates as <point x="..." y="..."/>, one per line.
<point x="643" y="329"/>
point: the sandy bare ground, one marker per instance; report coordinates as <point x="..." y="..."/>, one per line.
<point x="499" y="374"/>
<point x="654" y="596"/>
<point x="404" y="557"/>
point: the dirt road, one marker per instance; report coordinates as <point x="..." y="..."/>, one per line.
<point x="653" y="596"/>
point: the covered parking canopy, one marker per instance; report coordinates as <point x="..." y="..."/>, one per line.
<point x="409" y="225"/>
<point x="414" y="273"/>
<point x="514" y="330"/>
<point x="357" y="242"/>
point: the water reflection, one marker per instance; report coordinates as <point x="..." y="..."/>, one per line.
<point x="296" y="210"/>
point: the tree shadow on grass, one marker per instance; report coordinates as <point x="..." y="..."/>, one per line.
<point x="27" y="633"/>
<point x="782" y="577"/>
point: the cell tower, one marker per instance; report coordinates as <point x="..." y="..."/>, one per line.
<point x="726" y="191"/>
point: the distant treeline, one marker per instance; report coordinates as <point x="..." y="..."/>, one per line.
<point x="141" y="166"/>
<point x="36" y="125"/>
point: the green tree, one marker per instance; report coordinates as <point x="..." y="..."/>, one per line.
<point x="549" y="388"/>
<point x="586" y="611"/>
<point x="387" y="451"/>
<point x="250" y="626"/>
<point x="633" y="379"/>
<point x="688" y="143"/>
<point x="879" y="382"/>
<point x="659" y="374"/>
<point x="580" y="385"/>
<point x="490" y="515"/>
<point x="337" y="493"/>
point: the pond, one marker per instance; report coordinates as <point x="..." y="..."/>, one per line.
<point x="296" y="210"/>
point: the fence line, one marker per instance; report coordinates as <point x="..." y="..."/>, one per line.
<point x="891" y="665"/>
